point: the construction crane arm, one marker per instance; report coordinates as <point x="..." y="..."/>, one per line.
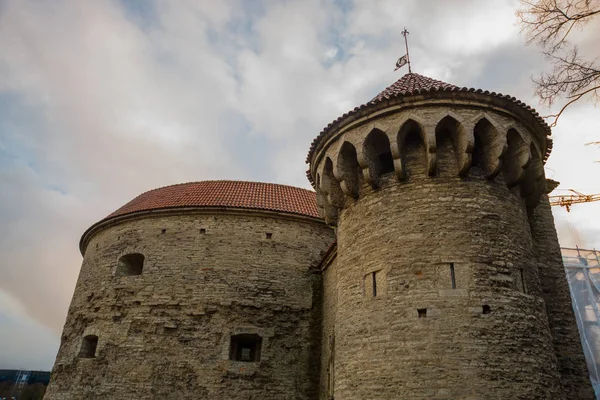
<point x="568" y="200"/>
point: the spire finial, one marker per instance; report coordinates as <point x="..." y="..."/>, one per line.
<point x="405" y="34"/>
<point x="405" y="59"/>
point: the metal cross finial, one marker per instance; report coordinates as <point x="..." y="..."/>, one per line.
<point x="405" y="33"/>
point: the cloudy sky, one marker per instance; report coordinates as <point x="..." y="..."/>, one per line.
<point x="102" y="100"/>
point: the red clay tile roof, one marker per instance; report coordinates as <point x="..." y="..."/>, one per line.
<point x="410" y="83"/>
<point x="413" y="84"/>
<point x="234" y="194"/>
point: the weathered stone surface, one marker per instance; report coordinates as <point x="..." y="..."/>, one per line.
<point x="555" y="291"/>
<point x="166" y="333"/>
<point x="440" y="289"/>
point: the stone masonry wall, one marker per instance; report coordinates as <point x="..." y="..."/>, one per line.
<point x="571" y="361"/>
<point x="328" y="332"/>
<point x="411" y="233"/>
<point x="166" y="333"/>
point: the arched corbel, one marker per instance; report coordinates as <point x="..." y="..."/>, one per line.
<point x="516" y="158"/>
<point x="464" y="142"/>
<point x="346" y="170"/>
<point x="491" y="136"/>
<point x="327" y="211"/>
<point x="428" y="133"/>
<point x="375" y="156"/>
<point x="411" y="125"/>
<point x="533" y="184"/>
<point x="331" y="185"/>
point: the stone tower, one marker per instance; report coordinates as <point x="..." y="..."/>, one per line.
<point x="204" y="290"/>
<point x="448" y="281"/>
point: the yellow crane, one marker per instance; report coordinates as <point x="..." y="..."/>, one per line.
<point x="574" y="198"/>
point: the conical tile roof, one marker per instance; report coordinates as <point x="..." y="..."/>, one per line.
<point x="409" y="84"/>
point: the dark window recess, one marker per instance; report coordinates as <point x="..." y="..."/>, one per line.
<point x="387" y="163"/>
<point x="202" y="231"/>
<point x="130" y="264"/>
<point x="88" y="346"/>
<point x="452" y="276"/>
<point x="486" y="309"/>
<point x="422" y="312"/>
<point x="245" y="347"/>
<point x="374" y="276"/>
<point x="163" y="231"/>
<point x="268" y="235"/>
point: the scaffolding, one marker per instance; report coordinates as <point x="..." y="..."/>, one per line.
<point x="582" y="268"/>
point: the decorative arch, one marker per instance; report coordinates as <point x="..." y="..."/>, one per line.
<point x="378" y="158"/>
<point x="533" y="184"/>
<point x="326" y="208"/>
<point x="516" y="158"/>
<point x="347" y="170"/>
<point x="330" y="186"/>
<point x="412" y="148"/>
<point x="448" y="133"/>
<point x="321" y="200"/>
<point x="489" y="147"/>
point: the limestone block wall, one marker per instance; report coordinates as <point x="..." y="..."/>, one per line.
<point x="207" y="276"/>
<point x="329" y="312"/>
<point x="555" y="291"/>
<point x="438" y="291"/>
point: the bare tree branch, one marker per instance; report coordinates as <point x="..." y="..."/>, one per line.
<point x="549" y="23"/>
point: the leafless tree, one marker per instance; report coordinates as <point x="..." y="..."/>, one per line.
<point x="549" y="23"/>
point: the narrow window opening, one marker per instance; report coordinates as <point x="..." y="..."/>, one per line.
<point x="88" y="346"/>
<point x="163" y="231"/>
<point x="523" y="287"/>
<point x="130" y="264"/>
<point x="422" y="312"/>
<point x="374" y="277"/>
<point x="268" y="235"/>
<point x="486" y="309"/>
<point x="245" y="348"/>
<point x="452" y="276"/>
<point x="202" y="231"/>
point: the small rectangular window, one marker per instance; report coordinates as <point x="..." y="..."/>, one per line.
<point x="422" y="312"/>
<point x="268" y="235"/>
<point x="374" y="284"/>
<point x="130" y="264"/>
<point x="202" y="231"/>
<point x="245" y="348"/>
<point x="452" y="276"/>
<point x="88" y="346"/>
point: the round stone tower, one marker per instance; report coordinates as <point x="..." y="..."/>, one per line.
<point x="437" y="291"/>
<point x="198" y="291"/>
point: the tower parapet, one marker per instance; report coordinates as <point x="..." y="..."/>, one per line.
<point x="438" y="292"/>
<point x="449" y="130"/>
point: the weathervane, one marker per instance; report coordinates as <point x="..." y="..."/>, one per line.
<point x="405" y="59"/>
